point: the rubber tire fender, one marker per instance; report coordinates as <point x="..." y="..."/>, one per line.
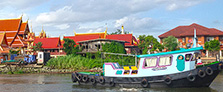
<point x="85" y="78"/>
<point x="93" y="80"/>
<point x="74" y="79"/>
<point x="209" y="71"/>
<point x="112" y="83"/>
<point x="79" y="77"/>
<point x="101" y="80"/>
<point x="144" y="83"/>
<point x="168" y="80"/>
<point x="191" y="77"/>
<point x="201" y="73"/>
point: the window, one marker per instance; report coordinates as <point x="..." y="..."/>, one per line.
<point x="187" y="57"/>
<point x="165" y="60"/>
<point x="209" y="38"/>
<point x="180" y="57"/>
<point x="183" y="40"/>
<point x="150" y="62"/>
<point x="194" y="57"/>
<point x="221" y="38"/>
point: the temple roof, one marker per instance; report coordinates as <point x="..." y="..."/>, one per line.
<point x="13" y="27"/>
<point x="49" y="43"/>
<point x="3" y="44"/>
<point x="183" y="31"/>
<point x="124" y="37"/>
<point x="10" y="24"/>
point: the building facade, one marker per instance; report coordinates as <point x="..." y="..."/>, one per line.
<point x="185" y="35"/>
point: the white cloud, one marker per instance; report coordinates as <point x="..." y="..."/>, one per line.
<point x="89" y="11"/>
<point x="21" y="4"/>
<point x="62" y="26"/>
<point x="137" y="23"/>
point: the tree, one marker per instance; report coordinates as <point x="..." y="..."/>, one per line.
<point x="69" y="48"/>
<point x="119" y="32"/>
<point x="213" y="46"/>
<point x="38" y="47"/>
<point x="170" y="43"/>
<point x="113" y="47"/>
<point x="149" y="42"/>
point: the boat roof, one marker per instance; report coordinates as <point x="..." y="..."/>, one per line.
<point x="171" y="52"/>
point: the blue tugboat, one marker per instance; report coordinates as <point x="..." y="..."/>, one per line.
<point x="166" y="69"/>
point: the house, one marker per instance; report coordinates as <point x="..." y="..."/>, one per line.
<point x="130" y="41"/>
<point x="95" y="45"/>
<point x="16" y="32"/>
<point x="185" y="34"/>
<point x="52" y="45"/>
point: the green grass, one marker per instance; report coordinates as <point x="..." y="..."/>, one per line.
<point x="83" y="63"/>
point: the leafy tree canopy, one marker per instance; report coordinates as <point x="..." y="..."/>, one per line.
<point x="146" y="41"/>
<point x="119" y="32"/>
<point x="69" y="48"/>
<point x="38" y="47"/>
<point x="113" y="47"/>
<point x="213" y="45"/>
<point x="170" y="43"/>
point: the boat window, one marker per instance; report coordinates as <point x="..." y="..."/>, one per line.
<point x="194" y="57"/>
<point x="150" y="62"/>
<point x="180" y="57"/>
<point x="166" y="60"/>
<point x="187" y="57"/>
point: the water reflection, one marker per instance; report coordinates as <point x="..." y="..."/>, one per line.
<point x="62" y="83"/>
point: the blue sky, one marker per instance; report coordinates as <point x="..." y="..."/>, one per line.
<point x="140" y="17"/>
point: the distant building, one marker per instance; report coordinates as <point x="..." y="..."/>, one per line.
<point x="16" y="32"/>
<point x="52" y="45"/>
<point x="95" y="45"/>
<point x="131" y="43"/>
<point x="185" y="34"/>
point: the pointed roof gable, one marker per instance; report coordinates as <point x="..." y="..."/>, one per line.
<point x="182" y="31"/>
<point x="49" y="43"/>
<point x="3" y="43"/>
<point x="18" y="42"/>
<point x="24" y="29"/>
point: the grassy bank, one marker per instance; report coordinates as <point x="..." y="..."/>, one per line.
<point x="84" y="63"/>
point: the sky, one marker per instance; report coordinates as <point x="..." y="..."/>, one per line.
<point x="140" y="17"/>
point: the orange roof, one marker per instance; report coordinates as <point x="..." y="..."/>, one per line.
<point x="100" y="35"/>
<point x="13" y="27"/>
<point x="49" y="43"/>
<point x="23" y="28"/>
<point x="18" y="42"/>
<point x="182" y="31"/>
<point x="10" y="24"/>
<point x="3" y="44"/>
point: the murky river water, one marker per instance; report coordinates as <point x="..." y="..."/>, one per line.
<point x="62" y="83"/>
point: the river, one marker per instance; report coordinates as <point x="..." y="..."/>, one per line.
<point x="62" y="83"/>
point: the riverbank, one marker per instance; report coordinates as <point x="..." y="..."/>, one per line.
<point x="40" y="69"/>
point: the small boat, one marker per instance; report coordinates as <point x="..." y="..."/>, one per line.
<point x="166" y="69"/>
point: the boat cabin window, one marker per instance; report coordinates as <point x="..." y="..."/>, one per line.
<point x="187" y="57"/>
<point x="150" y="62"/>
<point x="180" y="57"/>
<point x="166" y="60"/>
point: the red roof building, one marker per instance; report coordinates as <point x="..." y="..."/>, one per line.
<point x="185" y="34"/>
<point x="52" y="45"/>
<point x="131" y="41"/>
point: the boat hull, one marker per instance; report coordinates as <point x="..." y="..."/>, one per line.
<point x="200" y="77"/>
